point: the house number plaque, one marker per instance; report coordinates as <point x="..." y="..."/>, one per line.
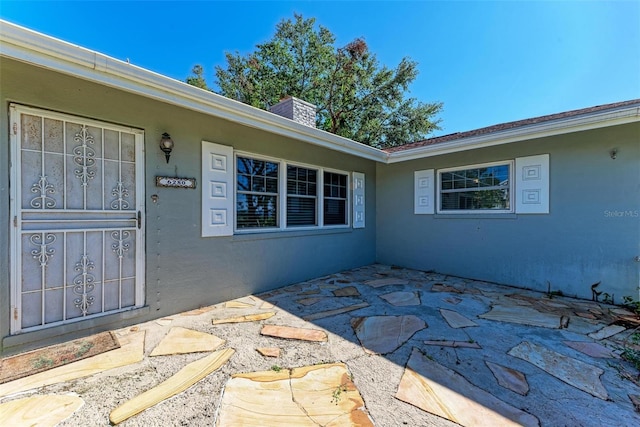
<point x="173" y="182"/>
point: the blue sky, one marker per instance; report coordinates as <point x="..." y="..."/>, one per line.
<point x="488" y="62"/>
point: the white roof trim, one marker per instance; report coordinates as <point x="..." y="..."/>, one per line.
<point x="35" y="48"/>
<point x="47" y="52"/>
<point x="587" y="121"/>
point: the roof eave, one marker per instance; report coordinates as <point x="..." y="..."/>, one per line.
<point x="587" y="121"/>
<point x="47" y="52"/>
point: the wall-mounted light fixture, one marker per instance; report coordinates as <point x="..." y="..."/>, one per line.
<point x="613" y="153"/>
<point x="166" y="145"/>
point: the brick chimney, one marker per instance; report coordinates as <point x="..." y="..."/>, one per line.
<point x="297" y="110"/>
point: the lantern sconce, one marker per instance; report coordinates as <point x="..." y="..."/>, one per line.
<point x="166" y="145"/>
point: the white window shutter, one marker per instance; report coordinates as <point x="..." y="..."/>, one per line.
<point x="532" y="184"/>
<point x="358" y="200"/>
<point x="217" y="190"/>
<point x="423" y="192"/>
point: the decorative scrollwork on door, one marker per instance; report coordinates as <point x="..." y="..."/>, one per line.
<point x="83" y="284"/>
<point x="120" y="192"/>
<point x="120" y="247"/>
<point x="43" y="252"/>
<point x="75" y="250"/>
<point x="43" y="188"/>
<point x="84" y="156"/>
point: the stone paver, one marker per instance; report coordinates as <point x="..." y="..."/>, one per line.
<point x="309" y="301"/>
<point x="456" y="320"/>
<point x="246" y="318"/>
<point x="269" y="351"/>
<point x="182" y="340"/>
<point x="606" y="332"/>
<point x="376" y="283"/>
<point x="177" y="383"/>
<point x="592" y="349"/>
<point x="509" y="378"/>
<point x="41" y="411"/>
<point x="294" y="333"/>
<point x="422" y="346"/>
<point x="401" y="298"/>
<point x="321" y="395"/>
<point x="581" y="375"/>
<point x="309" y="292"/>
<point x="453" y="300"/>
<point x="237" y="304"/>
<point x="439" y="287"/>
<point x="335" y="312"/>
<point x="523" y="316"/>
<point x="443" y="392"/>
<point x="349" y="291"/>
<point x="384" y="334"/>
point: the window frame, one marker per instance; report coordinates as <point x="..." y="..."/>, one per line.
<point x="509" y="163"/>
<point x="282" y="196"/>
<point x="346" y="198"/>
<point x="252" y="192"/>
<point x="317" y="198"/>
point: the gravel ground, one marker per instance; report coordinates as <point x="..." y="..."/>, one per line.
<point x="376" y="376"/>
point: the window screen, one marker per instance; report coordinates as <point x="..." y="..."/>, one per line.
<point x="483" y="188"/>
<point x="256" y="193"/>
<point x="301" y="196"/>
<point x="335" y="199"/>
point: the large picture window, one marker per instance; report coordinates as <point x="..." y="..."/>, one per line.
<point x="476" y="188"/>
<point x="272" y="194"/>
<point x="243" y="193"/>
<point x="256" y="193"/>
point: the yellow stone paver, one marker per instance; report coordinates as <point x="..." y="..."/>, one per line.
<point x="39" y="411"/>
<point x="301" y="397"/>
<point x="289" y="332"/>
<point x="182" y="340"/>
<point x="182" y="380"/>
<point x="248" y="318"/>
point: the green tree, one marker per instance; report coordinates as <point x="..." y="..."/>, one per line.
<point x="197" y="79"/>
<point x="356" y="97"/>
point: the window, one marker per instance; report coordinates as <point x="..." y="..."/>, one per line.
<point x="476" y="188"/>
<point x="243" y="193"/>
<point x="302" y="195"/>
<point x="256" y="193"/>
<point x="335" y="198"/>
<point x="272" y="195"/>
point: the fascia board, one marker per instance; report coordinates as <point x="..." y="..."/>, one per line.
<point x="556" y="127"/>
<point x="50" y="53"/>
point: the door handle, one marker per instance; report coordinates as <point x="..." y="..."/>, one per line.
<point x="139" y="220"/>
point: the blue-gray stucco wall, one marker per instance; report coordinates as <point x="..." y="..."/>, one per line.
<point x="592" y="233"/>
<point x="183" y="270"/>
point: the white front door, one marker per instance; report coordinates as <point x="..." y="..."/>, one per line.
<point x="77" y="198"/>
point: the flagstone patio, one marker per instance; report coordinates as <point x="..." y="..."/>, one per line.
<point x="375" y="345"/>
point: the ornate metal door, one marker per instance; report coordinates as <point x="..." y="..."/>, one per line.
<point x="78" y="237"/>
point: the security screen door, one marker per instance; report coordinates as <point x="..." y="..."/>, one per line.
<point x="77" y="197"/>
